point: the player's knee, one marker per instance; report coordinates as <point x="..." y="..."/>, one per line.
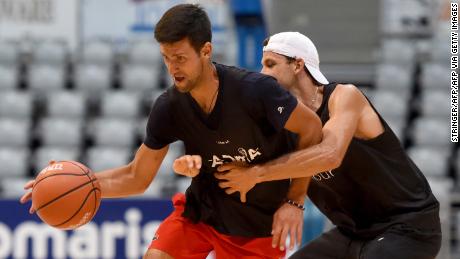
<point x="156" y="254"/>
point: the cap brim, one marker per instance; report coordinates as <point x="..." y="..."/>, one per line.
<point x="317" y="75"/>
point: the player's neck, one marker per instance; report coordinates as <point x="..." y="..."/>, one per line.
<point x="308" y="92"/>
<point x="205" y="92"/>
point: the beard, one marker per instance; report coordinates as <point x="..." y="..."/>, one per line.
<point x="188" y="85"/>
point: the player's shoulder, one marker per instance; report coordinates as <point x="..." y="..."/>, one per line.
<point x="347" y="91"/>
<point x="163" y="100"/>
<point x="347" y="97"/>
<point x="347" y="88"/>
<point x="164" y="96"/>
<point x="243" y="77"/>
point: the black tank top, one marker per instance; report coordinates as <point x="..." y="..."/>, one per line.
<point x="376" y="186"/>
<point x="232" y="135"/>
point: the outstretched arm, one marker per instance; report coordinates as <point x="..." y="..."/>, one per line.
<point x="346" y="108"/>
<point x="133" y="178"/>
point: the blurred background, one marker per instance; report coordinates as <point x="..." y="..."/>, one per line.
<point x="78" y="78"/>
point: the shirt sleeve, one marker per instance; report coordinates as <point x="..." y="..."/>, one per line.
<point x="160" y="128"/>
<point x="268" y="100"/>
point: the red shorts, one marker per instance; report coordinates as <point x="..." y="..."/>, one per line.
<point x="181" y="239"/>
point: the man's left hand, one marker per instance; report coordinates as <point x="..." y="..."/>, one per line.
<point x="235" y="177"/>
<point x="288" y="220"/>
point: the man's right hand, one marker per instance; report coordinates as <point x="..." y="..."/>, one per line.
<point x="187" y="165"/>
<point x="28" y="195"/>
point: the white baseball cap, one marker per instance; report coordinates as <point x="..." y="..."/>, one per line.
<point x="297" y="45"/>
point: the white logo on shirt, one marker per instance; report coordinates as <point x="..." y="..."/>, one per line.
<point x="323" y="176"/>
<point x="280" y="109"/>
<point x="246" y="156"/>
<point x="222" y="142"/>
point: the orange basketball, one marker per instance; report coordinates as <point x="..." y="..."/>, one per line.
<point x="66" y="195"/>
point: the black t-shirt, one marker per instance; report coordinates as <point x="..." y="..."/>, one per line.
<point x="376" y="186"/>
<point x="246" y="124"/>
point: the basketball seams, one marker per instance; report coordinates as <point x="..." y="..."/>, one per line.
<point x="77" y="165"/>
<point x="57" y="174"/>
<point x="79" y="209"/>
<point x="64" y="194"/>
<point x="92" y="183"/>
<point x="95" y="201"/>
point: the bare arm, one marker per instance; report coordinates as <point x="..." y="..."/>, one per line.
<point x="133" y="178"/>
<point x="345" y="113"/>
<point x="123" y="181"/>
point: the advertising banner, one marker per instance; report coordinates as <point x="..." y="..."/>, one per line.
<point x="121" y="229"/>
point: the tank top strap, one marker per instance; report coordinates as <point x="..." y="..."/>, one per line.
<point x="323" y="111"/>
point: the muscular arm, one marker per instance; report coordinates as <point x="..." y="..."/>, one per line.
<point x="123" y="181"/>
<point x="345" y="111"/>
<point x="133" y="178"/>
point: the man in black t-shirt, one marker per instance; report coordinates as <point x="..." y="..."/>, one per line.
<point x="362" y="179"/>
<point x="222" y="114"/>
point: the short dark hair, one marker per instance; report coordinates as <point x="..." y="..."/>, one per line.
<point x="291" y="59"/>
<point x="184" y="21"/>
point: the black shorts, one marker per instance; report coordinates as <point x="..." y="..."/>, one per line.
<point x="399" y="242"/>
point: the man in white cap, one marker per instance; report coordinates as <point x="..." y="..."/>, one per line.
<point x="363" y="180"/>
